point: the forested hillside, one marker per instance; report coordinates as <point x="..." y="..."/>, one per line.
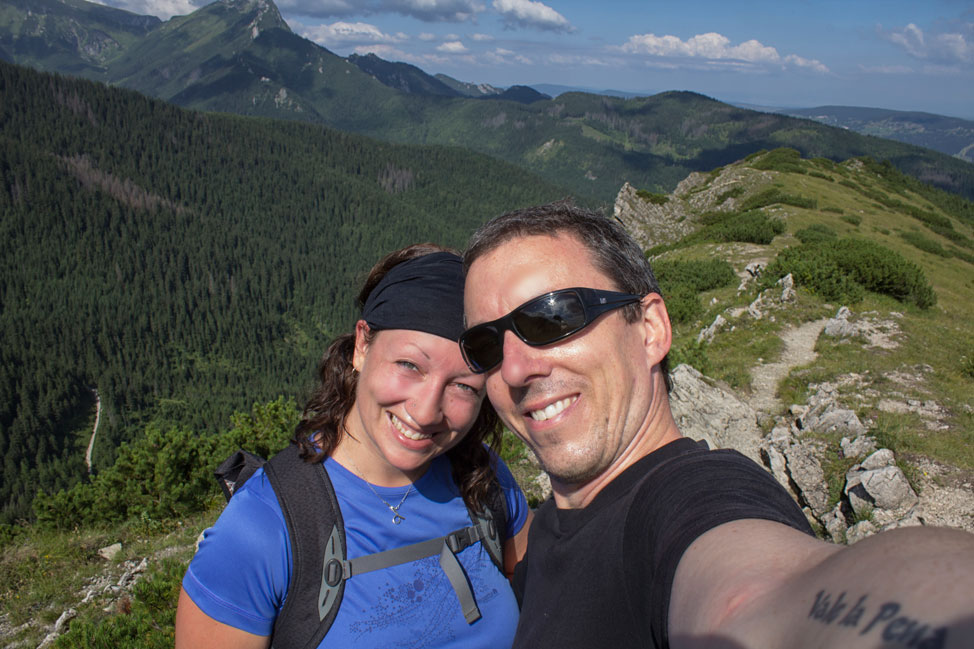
<point x="240" y="56"/>
<point x="186" y="265"/>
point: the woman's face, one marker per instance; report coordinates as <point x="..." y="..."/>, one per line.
<point x="415" y="400"/>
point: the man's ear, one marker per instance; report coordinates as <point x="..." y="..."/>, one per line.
<point x="657" y="333"/>
<point x="361" y="345"/>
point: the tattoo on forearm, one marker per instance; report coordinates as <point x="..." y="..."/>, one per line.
<point x="888" y="620"/>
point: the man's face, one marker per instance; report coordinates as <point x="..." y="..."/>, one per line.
<point x="578" y="402"/>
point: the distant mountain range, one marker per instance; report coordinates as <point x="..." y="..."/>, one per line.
<point x="950" y="135"/>
<point x="239" y="56"/>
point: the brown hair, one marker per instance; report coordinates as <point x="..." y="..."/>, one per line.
<point x="323" y="422"/>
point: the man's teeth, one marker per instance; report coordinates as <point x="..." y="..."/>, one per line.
<point x="551" y="410"/>
<point x="407" y="432"/>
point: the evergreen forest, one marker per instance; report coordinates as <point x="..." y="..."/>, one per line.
<point x="172" y="267"/>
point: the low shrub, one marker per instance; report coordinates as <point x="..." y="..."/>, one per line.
<point x="682" y="303"/>
<point x="816" y="233"/>
<point x="749" y="227"/>
<point x="917" y="240"/>
<point x="168" y="473"/>
<point x="655" y="199"/>
<point x="845" y="268"/>
<point x="682" y="281"/>
<point x="783" y="159"/>
<point x="699" y="275"/>
<point x="853" y="219"/>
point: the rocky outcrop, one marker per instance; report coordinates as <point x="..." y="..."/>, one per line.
<point x="707" y="411"/>
<point x="652" y="224"/>
<point x="655" y="220"/>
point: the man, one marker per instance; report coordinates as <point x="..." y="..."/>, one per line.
<point x="651" y="539"/>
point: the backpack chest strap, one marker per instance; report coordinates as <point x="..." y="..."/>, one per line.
<point x="338" y="570"/>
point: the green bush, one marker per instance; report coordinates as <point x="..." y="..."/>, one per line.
<point x="693" y="354"/>
<point x="783" y="159"/>
<point x="655" y="199"/>
<point x="917" y="240"/>
<point x="733" y="192"/>
<point x="967" y="364"/>
<point x="168" y="473"/>
<point x="843" y="269"/>
<point x="682" y="281"/>
<point x="699" y="275"/>
<point x="816" y="233"/>
<point x="853" y="219"/>
<point x="748" y="227"/>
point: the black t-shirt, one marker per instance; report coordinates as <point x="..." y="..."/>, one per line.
<point x="601" y="576"/>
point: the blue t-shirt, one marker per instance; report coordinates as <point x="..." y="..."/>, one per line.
<point x="240" y="573"/>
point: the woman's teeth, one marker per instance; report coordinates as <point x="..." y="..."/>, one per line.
<point x="407" y="432"/>
<point x="551" y="410"/>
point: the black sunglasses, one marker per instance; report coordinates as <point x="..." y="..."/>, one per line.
<point x="540" y="321"/>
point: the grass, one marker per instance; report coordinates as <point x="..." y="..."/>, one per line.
<point x="44" y="573"/>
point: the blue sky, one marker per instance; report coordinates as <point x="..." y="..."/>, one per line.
<point x="916" y="55"/>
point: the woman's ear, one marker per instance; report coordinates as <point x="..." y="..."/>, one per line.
<point x="361" y="345"/>
<point x="657" y="333"/>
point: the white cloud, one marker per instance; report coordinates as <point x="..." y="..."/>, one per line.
<point x="453" y="11"/>
<point x="341" y="34"/>
<point x="164" y="9"/>
<point x="576" y="60"/>
<point x="452" y="47"/>
<point x="811" y="64"/>
<point x="426" y="37"/>
<point x="425" y="10"/>
<point x="531" y="15"/>
<point x="715" y="48"/>
<point x="886" y="69"/>
<point x="481" y="37"/>
<point x="502" y="56"/>
<point x="948" y="44"/>
<point x="319" y="8"/>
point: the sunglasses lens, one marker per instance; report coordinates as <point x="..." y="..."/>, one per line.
<point x="549" y="318"/>
<point x="482" y="347"/>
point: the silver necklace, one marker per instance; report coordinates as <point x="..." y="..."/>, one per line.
<point x="396" y="516"/>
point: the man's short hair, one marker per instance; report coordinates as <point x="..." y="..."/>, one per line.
<point x="614" y="252"/>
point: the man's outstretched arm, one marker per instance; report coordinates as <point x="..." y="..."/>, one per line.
<point x="754" y="583"/>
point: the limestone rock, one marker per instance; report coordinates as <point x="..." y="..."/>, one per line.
<point x="861" y="446"/>
<point x="109" y="552"/>
<point x="806" y="472"/>
<point x="859" y="531"/>
<point x="708" y="412"/>
<point x="707" y="334"/>
<point x="885" y="487"/>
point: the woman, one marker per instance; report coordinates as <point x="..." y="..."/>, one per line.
<point x="400" y="423"/>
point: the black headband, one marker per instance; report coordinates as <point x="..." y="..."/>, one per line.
<point x="423" y="294"/>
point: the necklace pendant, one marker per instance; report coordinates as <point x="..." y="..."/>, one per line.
<point x="398" y="518"/>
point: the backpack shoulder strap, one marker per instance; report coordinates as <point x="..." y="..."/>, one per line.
<point x="236" y="470"/>
<point x="492" y="523"/>
<point x="317" y="532"/>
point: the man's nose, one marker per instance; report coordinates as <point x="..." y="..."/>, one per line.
<point x="521" y="362"/>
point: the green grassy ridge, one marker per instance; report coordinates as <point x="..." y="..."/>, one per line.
<point x="939" y="336"/>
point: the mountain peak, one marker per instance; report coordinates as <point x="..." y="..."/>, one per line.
<point x="266" y="14"/>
